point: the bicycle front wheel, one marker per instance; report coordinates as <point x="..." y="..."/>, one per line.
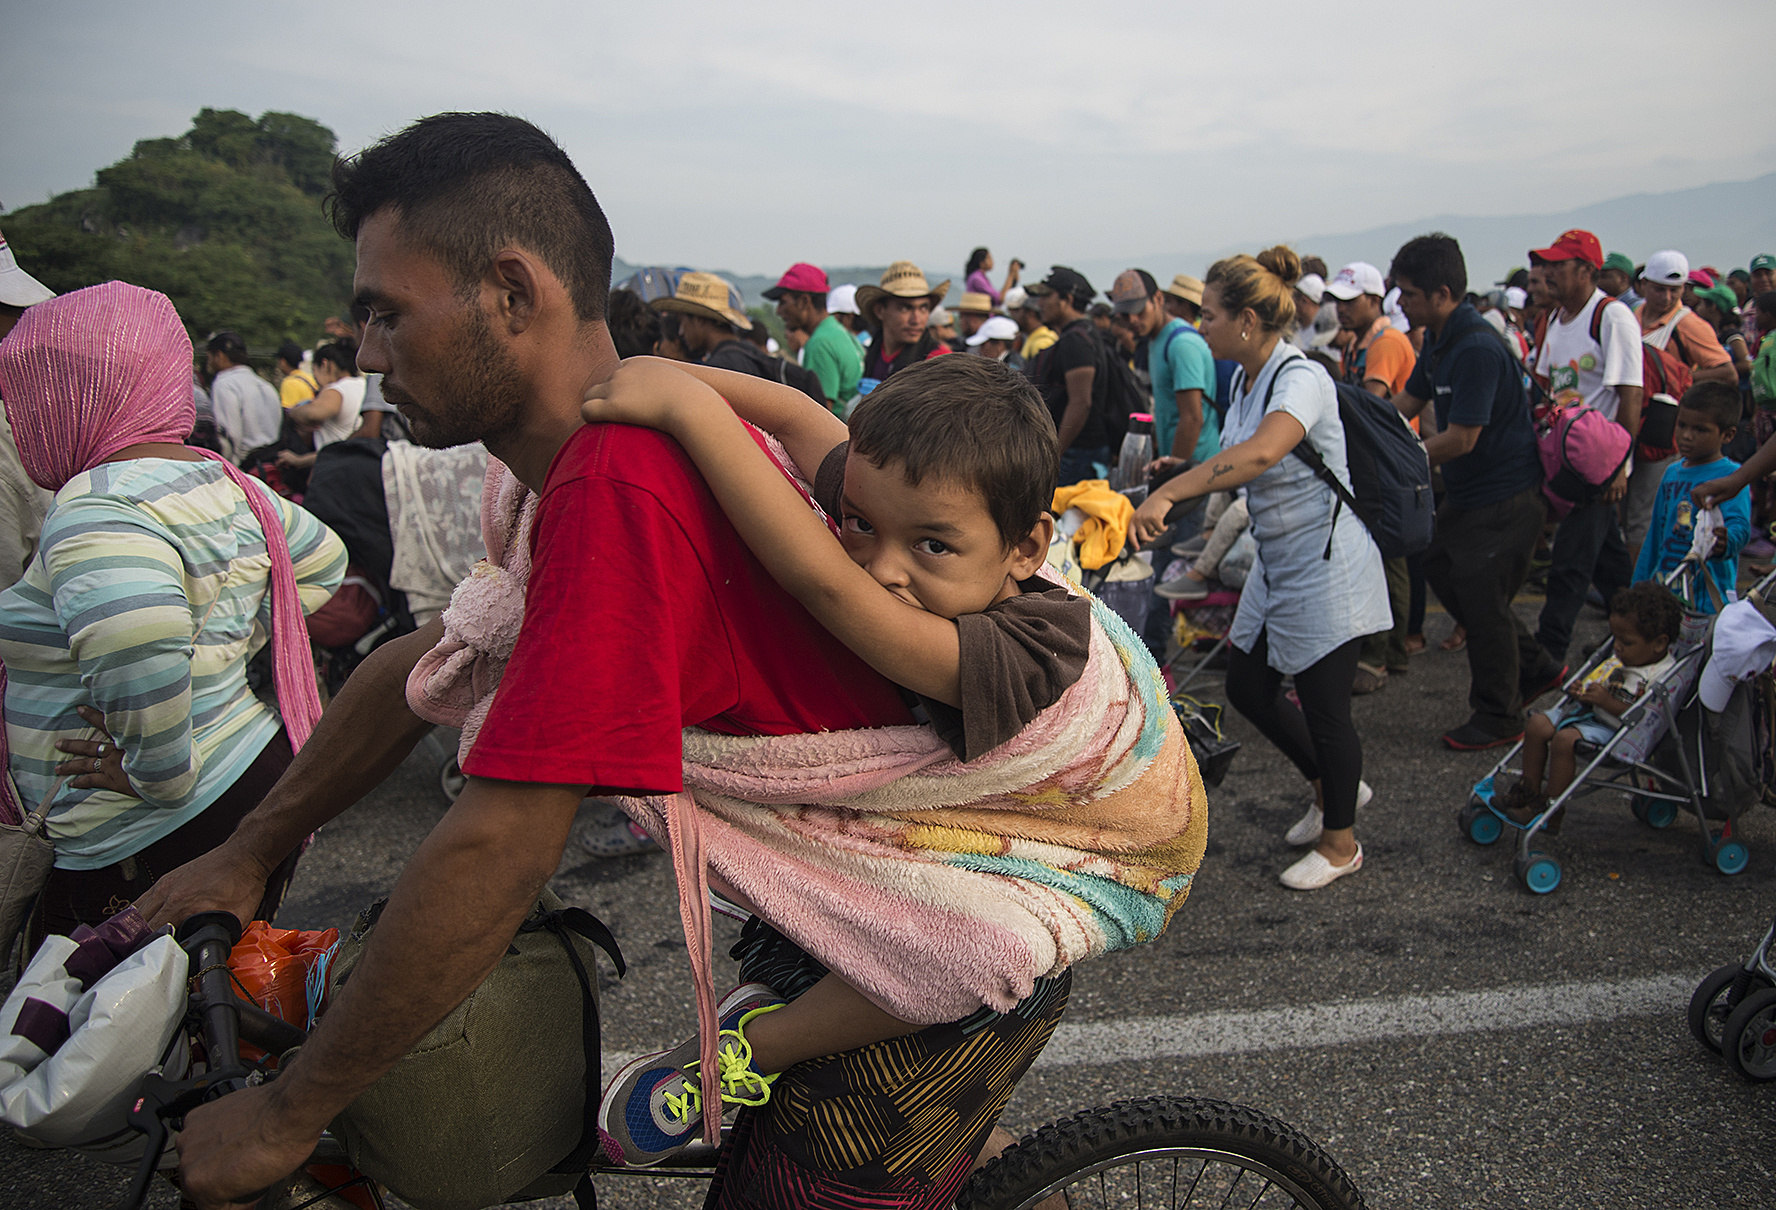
<point x="1163" y="1152"/>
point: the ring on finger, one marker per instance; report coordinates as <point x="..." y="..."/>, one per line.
<point x="101" y="750"/>
<point x="97" y="764"/>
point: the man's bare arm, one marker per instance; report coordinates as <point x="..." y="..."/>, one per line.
<point x="364" y="734"/>
<point x="447" y="922"/>
<point x="1190" y="423"/>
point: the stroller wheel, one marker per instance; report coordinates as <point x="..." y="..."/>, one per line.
<point x="1539" y="872"/>
<point x="1479" y="824"/>
<point x="1731" y="857"/>
<point x="1748" y="1041"/>
<point x="1655" y="812"/>
<point x="1715" y="1001"/>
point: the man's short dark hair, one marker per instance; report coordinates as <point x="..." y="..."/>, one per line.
<point x="966" y="420"/>
<point x="290" y="353"/>
<point x="230" y="345"/>
<point x="1719" y="401"/>
<point x="1766" y="302"/>
<point x="466" y="185"/>
<point x="1430" y="261"/>
<point x="1652" y="608"/>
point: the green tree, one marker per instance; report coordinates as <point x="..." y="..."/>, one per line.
<point x="225" y="220"/>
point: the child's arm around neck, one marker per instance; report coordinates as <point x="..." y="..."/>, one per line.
<point x="918" y="650"/>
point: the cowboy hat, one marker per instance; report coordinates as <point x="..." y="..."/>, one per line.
<point x="902" y="279"/>
<point x="706" y="296"/>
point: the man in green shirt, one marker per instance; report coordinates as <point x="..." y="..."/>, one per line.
<point x="830" y="351"/>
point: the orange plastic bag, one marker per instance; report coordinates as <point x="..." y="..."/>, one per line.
<point x="270" y="965"/>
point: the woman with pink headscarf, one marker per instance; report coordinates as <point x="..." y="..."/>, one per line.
<point x="160" y="571"/>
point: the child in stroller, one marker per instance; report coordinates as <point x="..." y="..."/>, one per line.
<point x="1645" y="622"/>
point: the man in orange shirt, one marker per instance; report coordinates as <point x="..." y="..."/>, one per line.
<point x="1379" y="358"/>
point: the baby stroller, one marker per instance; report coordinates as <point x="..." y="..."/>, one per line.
<point x="1733" y="1013"/>
<point x="1667" y="754"/>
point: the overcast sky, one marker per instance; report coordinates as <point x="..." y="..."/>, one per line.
<point x="750" y="135"/>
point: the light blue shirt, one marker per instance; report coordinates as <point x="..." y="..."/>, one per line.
<point x="1178" y="359"/>
<point x="1310" y="604"/>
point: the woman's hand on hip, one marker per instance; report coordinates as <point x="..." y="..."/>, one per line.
<point x="96" y="764"/>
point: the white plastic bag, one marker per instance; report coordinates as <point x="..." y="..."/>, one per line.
<point x="75" y="1089"/>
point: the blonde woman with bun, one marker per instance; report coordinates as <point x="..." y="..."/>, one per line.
<point x="1317" y="587"/>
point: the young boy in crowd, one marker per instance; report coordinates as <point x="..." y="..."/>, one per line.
<point x="1706" y="420"/>
<point x="1645" y="620"/>
<point x="941" y="484"/>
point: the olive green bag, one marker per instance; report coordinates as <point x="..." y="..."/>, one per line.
<point x="500" y="1100"/>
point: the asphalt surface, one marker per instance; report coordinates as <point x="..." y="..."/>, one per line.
<point x="1452" y="1039"/>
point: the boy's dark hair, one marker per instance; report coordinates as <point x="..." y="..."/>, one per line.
<point x="466" y="185"/>
<point x="634" y="326"/>
<point x="290" y="353"/>
<point x="1433" y="260"/>
<point x="342" y="355"/>
<point x="967" y="420"/>
<point x="1719" y="401"/>
<point x="1766" y="302"/>
<point x="1652" y="607"/>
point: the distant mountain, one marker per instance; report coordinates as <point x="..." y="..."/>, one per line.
<point x="1723" y="224"/>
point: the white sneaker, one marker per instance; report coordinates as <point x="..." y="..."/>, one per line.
<point x="1314" y="871"/>
<point x="1307" y="829"/>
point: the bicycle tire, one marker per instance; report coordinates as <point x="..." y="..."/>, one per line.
<point x="1118" y="1154"/>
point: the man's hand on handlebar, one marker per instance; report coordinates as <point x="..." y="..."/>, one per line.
<point x="228" y="1155"/>
<point x="220" y="880"/>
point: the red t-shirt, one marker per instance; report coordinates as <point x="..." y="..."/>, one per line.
<point x="645" y="614"/>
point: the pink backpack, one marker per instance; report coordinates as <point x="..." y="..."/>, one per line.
<point x="1582" y="450"/>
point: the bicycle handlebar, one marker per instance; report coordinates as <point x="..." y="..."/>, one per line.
<point x="161" y="1103"/>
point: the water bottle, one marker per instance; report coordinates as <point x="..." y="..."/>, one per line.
<point x="1137" y="452"/>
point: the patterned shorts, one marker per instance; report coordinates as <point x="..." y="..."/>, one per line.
<point x="896" y="1124"/>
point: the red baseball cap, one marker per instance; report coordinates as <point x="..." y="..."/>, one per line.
<point x="1572" y="245"/>
<point x="801" y="278"/>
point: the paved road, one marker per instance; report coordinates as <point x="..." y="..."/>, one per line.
<point x="1452" y="1039"/>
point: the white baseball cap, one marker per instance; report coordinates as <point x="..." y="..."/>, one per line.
<point x="1312" y="285"/>
<point x="1358" y="277"/>
<point x="999" y="327"/>
<point x="1667" y="268"/>
<point x="842" y="300"/>
<point x="1744" y="645"/>
<point x="18" y="288"/>
<point x="1015" y="298"/>
<point x="1516" y="297"/>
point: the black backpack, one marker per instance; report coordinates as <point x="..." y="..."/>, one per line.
<point x="1390" y="475"/>
<point x="1121" y="395"/>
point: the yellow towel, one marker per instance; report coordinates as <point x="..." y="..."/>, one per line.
<point x="1107" y="516"/>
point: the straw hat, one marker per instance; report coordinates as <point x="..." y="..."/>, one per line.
<point x="1187" y="288"/>
<point x="974" y="303"/>
<point x="706" y="296"/>
<point x="903" y="279"/>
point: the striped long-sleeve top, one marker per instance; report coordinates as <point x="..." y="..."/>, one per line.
<point x="149" y="592"/>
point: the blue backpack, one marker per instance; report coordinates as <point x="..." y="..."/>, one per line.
<point x="1390" y="475"/>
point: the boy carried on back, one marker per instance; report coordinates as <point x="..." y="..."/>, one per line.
<point x="1060" y="816"/>
<point x="1706" y="420"/>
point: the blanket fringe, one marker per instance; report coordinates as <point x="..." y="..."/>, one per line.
<point x="691" y="873"/>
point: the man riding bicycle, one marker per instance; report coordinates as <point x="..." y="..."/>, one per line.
<point x="484" y="259"/>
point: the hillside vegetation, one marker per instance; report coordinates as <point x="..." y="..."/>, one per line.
<point x="225" y="220"/>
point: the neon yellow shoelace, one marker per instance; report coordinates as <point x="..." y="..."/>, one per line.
<point x="739" y="1083"/>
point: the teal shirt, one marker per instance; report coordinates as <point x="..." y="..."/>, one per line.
<point x="836" y="360"/>
<point x="1178" y="359"/>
